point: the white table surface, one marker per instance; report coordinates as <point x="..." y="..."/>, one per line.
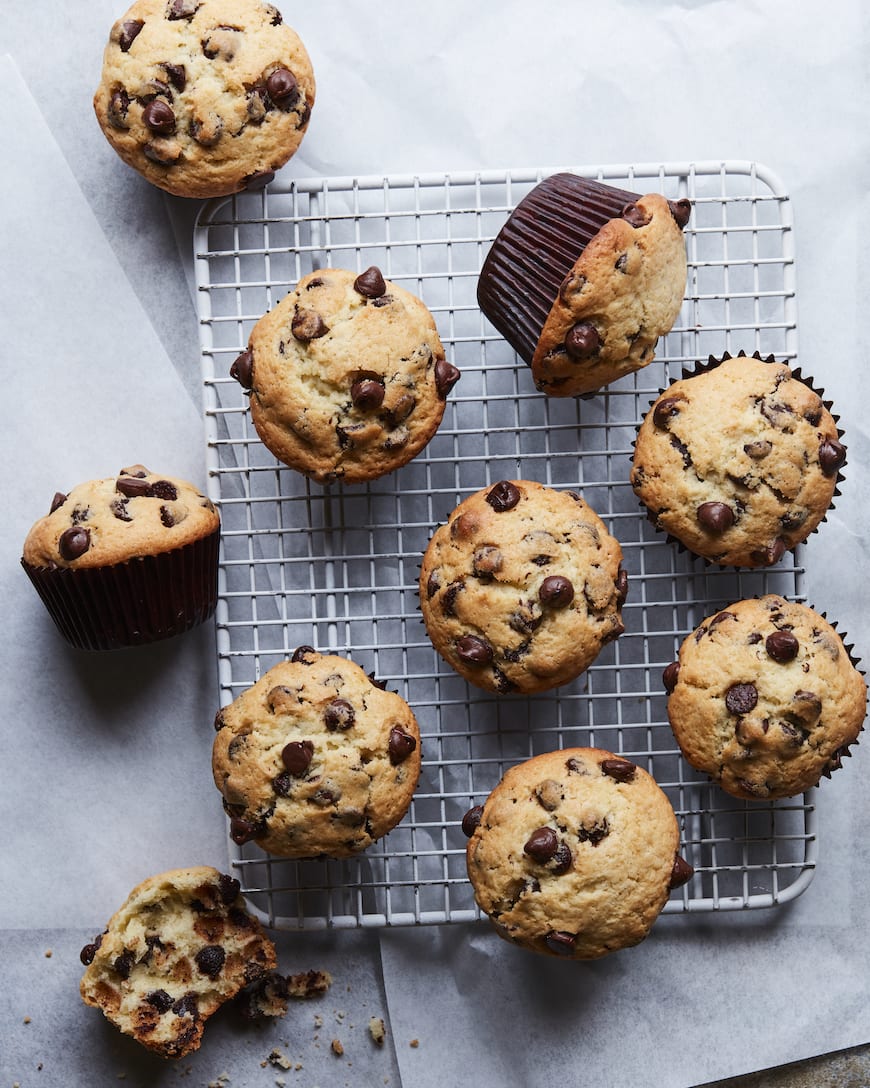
<point x="105" y="780"/>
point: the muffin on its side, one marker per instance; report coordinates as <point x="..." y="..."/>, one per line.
<point x="347" y="376"/>
<point x="583" y="279"/>
<point x="315" y="759"/>
<point x="739" y="461"/>
<point x="574" y="853"/>
<point x="126" y="560"/>
<point x="765" y="699"/>
<point x="204" y="97"/>
<point x="522" y="587"/>
<point x="181" y="945"/>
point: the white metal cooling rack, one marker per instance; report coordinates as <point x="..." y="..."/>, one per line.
<point x="336" y="567"/>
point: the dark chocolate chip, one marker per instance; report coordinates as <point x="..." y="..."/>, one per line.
<point x="381" y="301"/>
<point x="282" y="86"/>
<point x="715" y="517"/>
<point x="159" y="1000"/>
<point x="123" y="964"/>
<point x="503" y="496"/>
<point x="74" y="542"/>
<point x="182" y="9"/>
<point x="228" y="888"/>
<point x="159" y="117"/>
<point x="620" y="769"/>
<point x="832" y="456"/>
<point x="758" y="450"/>
<point x="58" y="500"/>
<point x="621" y="265"/>
<point x="474" y="650"/>
<point x="681" y="873"/>
<point x="446" y="376"/>
<point x="665" y="409"/>
<point x="297" y="755"/>
<point x="186" y="1006"/>
<point x="562" y="858"/>
<point x="308" y="325"/>
<point x="782" y="646"/>
<point x="128" y="33"/>
<point x="721" y="617"/>
<point x="400" y="745"/>
<point x="371" y="283"/>
<point x="301" y="652"/>
<point x="741" y="698"/>
<point x="176" y="74"/>
<point x="556" y="591"/>
<point x="448" y="601"/>
<point x="367" y="394"/>
<point x="210" y="960"/>
<point x="243" y="369"/>
<point x="595" y="832"/>
<point x="582" y="340"/>
<point x="134" y="487"/>
<point x="167" y="517"/>
<point x="635" y="215"/>
<point x="680" y="210"/>
<point x="670" y="675"/>
<point x="560" y="942"/>
<point x="88" y="952"/>
<point x="282" y="784"/>
<point x="339" y="716"/>
<point x="541" y="844"/>
<point x="771" y="554"/>
<point x="119" y="508"/>
<point x="621" y="586"/>
<point x="470" y="821"/>
<point x="258" y="180"/>
<point x="487" y="560"/>
<point x="241" y="830"/>
<point x="119" y="103"/>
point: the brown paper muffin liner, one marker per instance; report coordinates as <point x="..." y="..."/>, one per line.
<point x="135" y="602"/>
<point x="537" y="248"/>
<point x="703" y="367"/>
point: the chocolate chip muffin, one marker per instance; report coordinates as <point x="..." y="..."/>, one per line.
<point x="181" y="945"/>
<point x="738" y="462"/>
<point x="583" y="279"/>
<point x="126" y="560"/>
<point x="574" y="853"/>
<point x="315" y="759"/>
<point x="522" y="587"/>
<point x="347" y="376"/>
<point x="204" y="97"/>
<point x="765" y="699"/>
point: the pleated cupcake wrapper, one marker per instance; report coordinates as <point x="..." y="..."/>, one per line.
<point x="537" y="248"/>
<point x="712" y="363"/>
<point x="139" y="601"/>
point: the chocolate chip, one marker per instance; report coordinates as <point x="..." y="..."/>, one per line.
<point x="593" y="833"/>
<point x="582" y="340"/>
<point x="487" y="560"/>
<point x="159" y="117"/>
<point x="282" y="86"/>
<point x="182" y="9"/>
<point x="556" y="591"/>
<point x="207" y="131"/>
<point x="228" y="888"/>
<point x="381" y="301"/>
<point x="782" y="646"/>
<point x="832" y="456"/>
<point x="665" y="409"/>
<point x="670" y="675"/>
<point x="473" y="650"/>
<point x="308" y="325"/>
<point x="243" y="369"/>
<point x="448" y="601"/>
<point x="471" y="820"/>
<point x="326" y="796"/>
<point x="758" y="450"/>
<point x="58" y="500"/>
<point x="176" y="74"/>
<point x="561" y="860"/>
<point x="560" y="942"/>
<point x="741" y="698"/>
<point x="74" y="542"/>
<point x="168" y="517"/>
<point x="503" y="496"/>
<point x="282" y="784"/>
<point x="134" y="487"/>
<point x="635" y="215"/>
<point x="210" y="960"/>
<point x="297" y="755"/>
<point x="715" y="517"/>
<point x="370" y="284"/>
<point x="89" y="951"/>
<point x="119" y="103"/>
<point x="621" y="586"/>
<point x="119" y="508"/>
<point x="123" y="964"/>
<point x="186" y="1006"/>
<point x="681" y="873"/>
<point x="400" y="745"/>
<point x="446" y="376"/>
<point x="159" y="1000"/>
<point x="339" y="716"/>
<point x="241" y="830"/>
<point x="620" y="769"/>
<point x="301" y="652"/>
<point x="771" y="554"/>
<point x="367" y="394"/>
<point x="541" y="844"/>
<point x="128" y="33"/>
<point x="680" y="210"/>
<point x="258" y="180"/>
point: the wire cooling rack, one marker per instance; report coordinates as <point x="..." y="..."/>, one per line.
<point x="336" y="567"/>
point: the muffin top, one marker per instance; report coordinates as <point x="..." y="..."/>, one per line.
<point x="522" y="587"/>
<point x="347" y="375"/>
<point x="764" y="698"/>
<point x="315" y="758"/>
<point x="574" y="853"/>
<point x="204" y="97"/>
<point x="136" y="513"/>
<point x="623" y="293"/>
<point x="739" y="463"/>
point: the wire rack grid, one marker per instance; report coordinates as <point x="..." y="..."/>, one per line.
<point x="335" y="567"/>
